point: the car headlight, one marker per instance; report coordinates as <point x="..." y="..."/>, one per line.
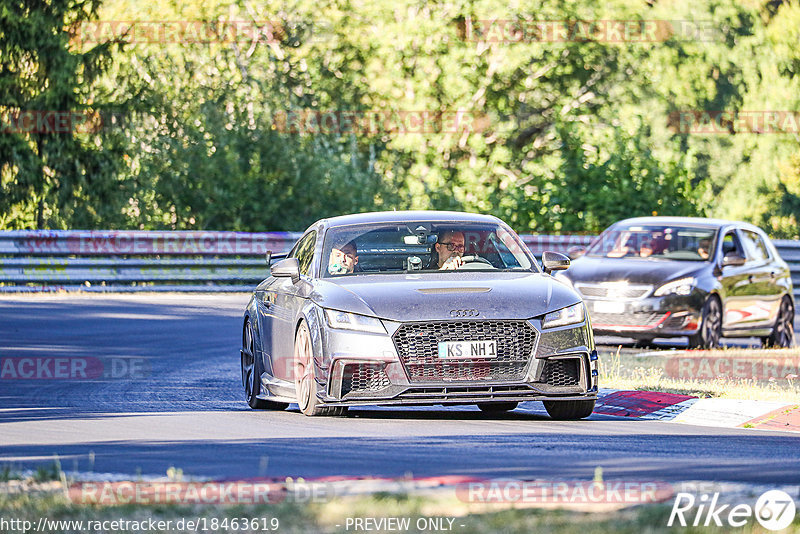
<point x="564" y="316"/>
<point x="353" y="321"/>
<point x="683" y="286"/>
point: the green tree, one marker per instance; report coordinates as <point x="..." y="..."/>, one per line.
<point x="54" y="179"/>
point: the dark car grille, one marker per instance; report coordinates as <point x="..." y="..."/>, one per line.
<point x="561" y="372"/>
<point x="364" y="377"/>
<point x="604" y="291"/>
<point x="625" y="319"/>
<point x="417" y="344"/>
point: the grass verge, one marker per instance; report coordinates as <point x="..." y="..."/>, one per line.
<point x="424" y="513"/>
<point x="749" y="374"/>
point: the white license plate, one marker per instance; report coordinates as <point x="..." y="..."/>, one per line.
<point x="465" y="350"/>
<point x="608" y="306"/>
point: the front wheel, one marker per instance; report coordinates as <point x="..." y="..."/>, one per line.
<point x="782" y="335"/>
<point x="305" y="381"/>
<point x="569" y="410"/>
<point x="710" y="326"/>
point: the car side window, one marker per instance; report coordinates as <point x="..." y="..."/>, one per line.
<point x="756" y="249"/>
<point x="304" y="251"/>
<point x="730" y="245"/>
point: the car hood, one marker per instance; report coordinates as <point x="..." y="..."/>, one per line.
<point x="633" y="270"/>
<point x="434" y="296"/>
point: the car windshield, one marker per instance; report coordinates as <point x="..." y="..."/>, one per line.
<point x="423" y="246"/>
<point x="666" y="242"/>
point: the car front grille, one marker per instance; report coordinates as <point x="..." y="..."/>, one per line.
<point x="613" y="292"/>
<point x="417" y="344"/>
<point x="561" y="373"/>
<point x="626" y="319"/>
<point x="364" y="377"/>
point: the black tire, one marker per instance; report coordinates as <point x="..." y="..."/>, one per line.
<point x="569" y="410"/>
<point x="782" y="335"/>
<point x="305" y="377"/>
<point x="251" y="369"/>
<point x="497" y="407"/>
<point x="710" y="333"/>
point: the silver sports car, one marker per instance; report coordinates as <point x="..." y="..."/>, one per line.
<point x="423" y="308"/>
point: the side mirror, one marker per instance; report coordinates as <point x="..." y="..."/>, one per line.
<point x="288" y="268"/>
<point x="733" y="259"/>
<point x="576" y="252"/>
<point x="554" y="261"/>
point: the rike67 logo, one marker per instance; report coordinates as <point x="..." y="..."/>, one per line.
<point x="774" y="510"/>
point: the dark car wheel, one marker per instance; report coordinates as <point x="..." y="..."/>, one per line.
<point x="251" y="373"/>
<point x="783" y="333"/>
<point x="569" y="410"/>
<point x="711" y="326"/>
<point x="305" y="381"/>
<point x="497" y="407"/>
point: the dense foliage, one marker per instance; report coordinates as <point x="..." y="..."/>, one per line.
<point x="559" y="136"/>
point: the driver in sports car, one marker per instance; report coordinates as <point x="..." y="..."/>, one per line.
<point x="343" y="259"/>
<point x="449" y="249"/>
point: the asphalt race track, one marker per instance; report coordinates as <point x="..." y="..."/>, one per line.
<point x="175" y="400"/>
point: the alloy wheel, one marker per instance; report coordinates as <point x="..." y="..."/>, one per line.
<point x="304" y="368"/>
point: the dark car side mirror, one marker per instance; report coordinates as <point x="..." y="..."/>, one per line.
<point x="288" y="268"/>
<point x="733" y="259"/>
<point x="576" y="252"/>
<point x="554" y="261"/>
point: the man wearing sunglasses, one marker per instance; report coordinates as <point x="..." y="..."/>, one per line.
<point x="449" y="248"/>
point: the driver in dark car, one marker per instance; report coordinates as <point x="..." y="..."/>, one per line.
<point x="448" y="250"/>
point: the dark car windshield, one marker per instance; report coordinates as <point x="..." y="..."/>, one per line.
<point x="669" y="242"/>
<point x="415" y="247"/>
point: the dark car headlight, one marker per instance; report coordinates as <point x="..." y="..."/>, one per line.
<point x="683" y="286"/>
<point x="353" y="321"/>
<point x="569" y="315"/>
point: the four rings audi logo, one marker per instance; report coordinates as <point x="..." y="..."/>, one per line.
<point x="464" y="313"/>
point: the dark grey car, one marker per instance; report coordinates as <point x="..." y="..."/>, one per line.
<point x="410" y="308"/>
<point x="654" y="277"/>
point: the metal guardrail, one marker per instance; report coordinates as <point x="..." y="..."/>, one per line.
<point x="133" y="261"/>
